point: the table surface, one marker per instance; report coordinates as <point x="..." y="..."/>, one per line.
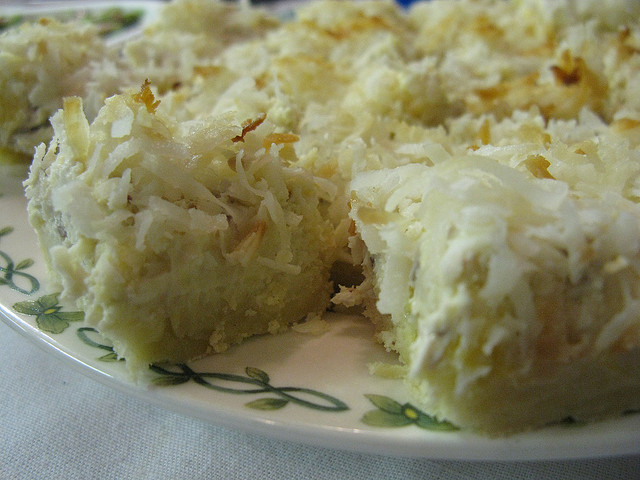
<point x="56" y="423"/>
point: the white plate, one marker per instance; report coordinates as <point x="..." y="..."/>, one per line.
<point x="303" y="388"/>
<point x="307" y="367"/>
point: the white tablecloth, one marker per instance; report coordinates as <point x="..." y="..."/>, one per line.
<point x="57" y="424"/>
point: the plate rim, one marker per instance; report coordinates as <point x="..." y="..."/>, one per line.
<point x="539" y="445"/>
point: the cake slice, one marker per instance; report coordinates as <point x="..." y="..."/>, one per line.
<point x="178" y="239"/>
<point x="42" y="62"/>
<point x="508" y="279"/>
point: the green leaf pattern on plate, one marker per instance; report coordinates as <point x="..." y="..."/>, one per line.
<point x="49" y="315"/>
<point x="108" y="21"/>
<point x="267" y="403"/>
<point x="12" y="273"/>
<point x="391" y="413"/>
<point x="83" y="334"/>
<point x="259" y="383"/>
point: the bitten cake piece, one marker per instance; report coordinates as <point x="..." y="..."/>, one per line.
<point x="179" y="239"/>
<point x="509" y="277"/>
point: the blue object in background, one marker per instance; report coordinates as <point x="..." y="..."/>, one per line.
<point x="405" y="3"/>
